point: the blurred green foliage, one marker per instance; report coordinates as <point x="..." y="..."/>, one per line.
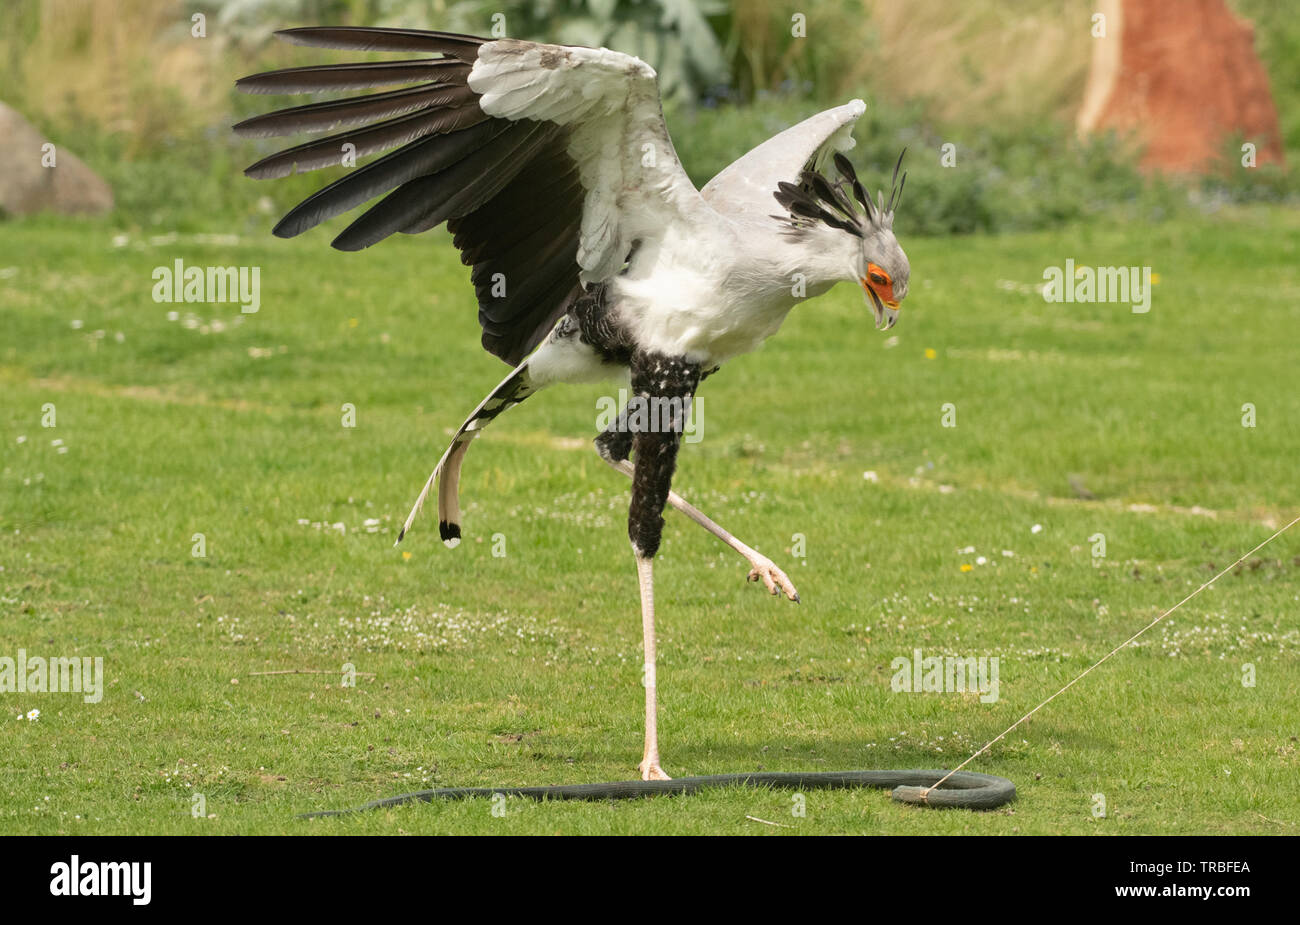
<point x="1277" y="41"/>
<point x="1005" y="178"/>
<point x="174" y="164"/>
<point x="673" y="36"/>
<point x="1002" y="178"/>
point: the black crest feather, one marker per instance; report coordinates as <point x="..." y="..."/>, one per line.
<point x="817" y="199"/>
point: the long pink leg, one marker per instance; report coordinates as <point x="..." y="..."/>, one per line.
<point x="761" y="567"/>
<point x="650" y="769"/>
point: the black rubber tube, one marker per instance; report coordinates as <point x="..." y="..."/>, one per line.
<point x="963" y="790"/>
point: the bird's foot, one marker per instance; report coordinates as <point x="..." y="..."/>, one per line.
<point x="773" y="578"/>
<point x="650" y="770"/>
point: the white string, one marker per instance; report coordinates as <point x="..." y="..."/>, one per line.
<point x="1003" y="734"/>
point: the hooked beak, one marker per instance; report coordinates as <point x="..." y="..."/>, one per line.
<point x="886" y="312"/>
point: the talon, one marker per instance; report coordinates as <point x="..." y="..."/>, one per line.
<point x="773" y="578"/>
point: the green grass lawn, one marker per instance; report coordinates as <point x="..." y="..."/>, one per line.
<point x="482" y="669"/>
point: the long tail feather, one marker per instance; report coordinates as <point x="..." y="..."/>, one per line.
<point x="513" y="389"/>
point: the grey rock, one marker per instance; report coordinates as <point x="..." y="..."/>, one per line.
<point x="27" y="186"/>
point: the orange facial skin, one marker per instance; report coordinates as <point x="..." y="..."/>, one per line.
<point x="878" y="281"/>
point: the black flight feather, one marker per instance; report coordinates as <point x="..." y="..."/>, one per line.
<point x="353" y="38"/>
<point x="328" y="152"/>
<point x="418" y="159"/>
<point x="321" y="78"/>
<point x="451" y="190"/>
<point x="510" y="192"/>
<point x="331" y="114"/>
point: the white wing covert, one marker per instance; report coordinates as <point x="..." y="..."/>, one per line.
<point x="633" y="181"/>
<point x="548" y="163"/>
<point x="744" y="190"/>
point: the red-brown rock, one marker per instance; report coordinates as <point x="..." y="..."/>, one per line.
<point x="1183" y="77"/>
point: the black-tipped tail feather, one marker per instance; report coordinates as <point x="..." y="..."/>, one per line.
<point x="450" y="533"/>
<point x="515" y="388"/>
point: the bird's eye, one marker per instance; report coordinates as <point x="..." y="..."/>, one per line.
<point x="877" y="275"/>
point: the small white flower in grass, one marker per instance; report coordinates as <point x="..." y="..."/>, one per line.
<point x="1008" y="554"/>
<point x="966" y="549"/>
<point x="871" y="476"/>
<point x="980" y="560"/>
<point x="1036" y="528"/>
<point x="76" y="325"/>
<point x="33" y="715"/>
<point x="22" y="438"/>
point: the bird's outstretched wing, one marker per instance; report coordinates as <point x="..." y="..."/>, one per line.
<point x="548" y="162"/>
<point x="744" y="190"/>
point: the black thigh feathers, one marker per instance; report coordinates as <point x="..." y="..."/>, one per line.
<point x="662" y="390"/>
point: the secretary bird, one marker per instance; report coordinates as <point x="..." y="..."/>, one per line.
<point x="594" y="256"/>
